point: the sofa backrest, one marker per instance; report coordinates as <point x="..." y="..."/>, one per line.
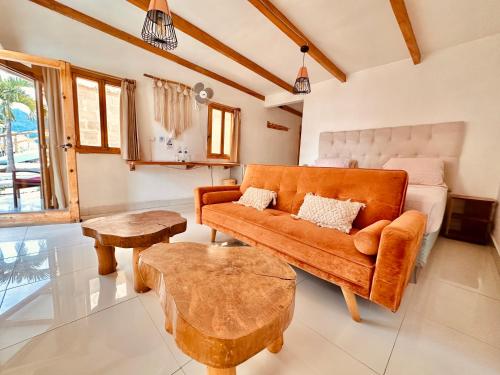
<point x="383" y="191"/>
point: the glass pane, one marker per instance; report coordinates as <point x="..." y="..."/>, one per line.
<point x="113" y="115"/>
<point x="228" y="126"/>
<point x="89" y="119"/>
<point x="216" y="131"/>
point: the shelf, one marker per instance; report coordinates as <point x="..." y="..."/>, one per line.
<point x="461" y="236"/>
<point x="186" y="165"/>
<point x="466" y="217"/>
<point x="471" y="198"/>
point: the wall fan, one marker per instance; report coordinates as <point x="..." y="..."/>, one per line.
<point x="203" y="95"/>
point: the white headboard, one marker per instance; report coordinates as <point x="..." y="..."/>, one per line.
<point x="373" y="147"/>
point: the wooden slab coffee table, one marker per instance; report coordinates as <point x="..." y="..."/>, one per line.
<point x="131" y="230"/>
<point x="223" y="305"/>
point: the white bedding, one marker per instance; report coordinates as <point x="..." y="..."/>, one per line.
<point x="430" y="200"/>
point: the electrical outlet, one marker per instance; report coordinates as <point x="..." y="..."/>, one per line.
<point x="170" y="144"/>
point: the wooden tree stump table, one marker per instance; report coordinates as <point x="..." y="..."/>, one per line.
<point x="223" y="305"/>
<point x="131" y="230"/>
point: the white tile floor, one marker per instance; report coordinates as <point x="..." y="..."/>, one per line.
<point x="58" y="316"/>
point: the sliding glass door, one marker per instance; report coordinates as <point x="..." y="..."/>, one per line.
<point x="38" y="180"/>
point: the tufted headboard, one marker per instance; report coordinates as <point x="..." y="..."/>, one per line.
<point x="373" y="147"/>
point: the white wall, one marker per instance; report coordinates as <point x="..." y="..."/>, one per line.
<point x="457" y="84"/>
<point x="105" y="180"/>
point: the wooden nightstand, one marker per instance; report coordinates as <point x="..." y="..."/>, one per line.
<point x="469" y="218"/>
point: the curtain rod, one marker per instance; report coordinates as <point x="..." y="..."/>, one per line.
<point x="166" y="80"/>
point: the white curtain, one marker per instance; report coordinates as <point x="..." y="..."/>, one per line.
<point x="129" y="131"/>
<point x="57" y="156"/>
<point x="172" y="106"/>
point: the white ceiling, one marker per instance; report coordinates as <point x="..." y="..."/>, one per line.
<point x="355" y="34"/>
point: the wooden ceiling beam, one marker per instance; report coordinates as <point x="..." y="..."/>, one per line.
<point x="401" y="14"/>
<point x="291" y="110"/>
<point x="196" y="33"/>
<point x="122" y="35"/>
<point x="286" y="26"/>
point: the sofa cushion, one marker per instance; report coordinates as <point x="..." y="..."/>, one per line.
<point x="367" y="240"/>
<point x="221" y="196"/>
<point x="326" y="249"/>
<point x="382" y="191"/>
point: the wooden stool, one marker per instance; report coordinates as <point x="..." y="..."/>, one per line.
<point x="223" y="305"/>
<point x="131" y="230"/>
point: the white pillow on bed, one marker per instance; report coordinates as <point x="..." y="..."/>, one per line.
<point x="336" y="162"/>
<point x="421" y="171"/>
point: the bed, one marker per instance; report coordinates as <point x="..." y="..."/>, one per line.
<point x="430" y="200"/>
<point x="372" y="148"/>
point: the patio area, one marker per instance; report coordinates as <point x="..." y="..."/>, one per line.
<point x="29" y="199"/>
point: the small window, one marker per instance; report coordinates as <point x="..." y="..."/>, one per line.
<point x="97" y="112"/>
<point x="220" y="126"/>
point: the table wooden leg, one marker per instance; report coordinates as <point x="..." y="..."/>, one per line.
<point x="168" y="325"/>
<point x="139" y="285"/>
<point x="221" y="371"/>
<point x="275" y="346"/>
<point x="105" y="258"/>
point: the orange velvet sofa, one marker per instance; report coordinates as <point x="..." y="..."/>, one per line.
<point x="323" y="252"/>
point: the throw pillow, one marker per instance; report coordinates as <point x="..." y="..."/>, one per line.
<point x="257" y="198"/>
<point x="329" y="212"/>
<point x="336" y="163"/>
<point x="421" y="171"/>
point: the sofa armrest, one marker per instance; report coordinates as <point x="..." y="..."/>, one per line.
<point x="398" y="249"/>
<point x="200" y="191"/>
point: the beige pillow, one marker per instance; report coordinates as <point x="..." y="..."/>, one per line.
<point x="336" y="162"/>
<point x="257" y="198"/>
<point x="329" y="212"/>
<point x="421" y="171"/>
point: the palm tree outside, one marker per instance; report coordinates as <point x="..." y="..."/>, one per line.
<point x="13" y="92"/>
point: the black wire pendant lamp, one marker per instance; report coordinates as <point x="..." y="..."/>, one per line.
<point x="302" y="84"/>
<point x="158" y="29"/>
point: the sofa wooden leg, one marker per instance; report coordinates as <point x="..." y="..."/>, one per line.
<point x="352" y="305"/>
<point x="212" y="237"/>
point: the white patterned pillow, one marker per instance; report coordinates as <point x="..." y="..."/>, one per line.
<point x="257" y="198"/>
<point x="329" y="212"/>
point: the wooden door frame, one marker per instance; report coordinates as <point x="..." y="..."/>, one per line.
<point x="72" y="213"/>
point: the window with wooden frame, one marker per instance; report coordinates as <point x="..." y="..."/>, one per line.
<point x="220" y="126"/>
<point x="97" y="112"/>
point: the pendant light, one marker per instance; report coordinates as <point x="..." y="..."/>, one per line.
<point x="302" y="84"/>
<point x="158" y="29"/>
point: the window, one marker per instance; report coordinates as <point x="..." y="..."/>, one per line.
<point x="97" y="112"/>
<point x="220" y="125"/>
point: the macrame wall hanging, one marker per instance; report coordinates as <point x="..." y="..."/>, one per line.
<point x="172" y="105"/>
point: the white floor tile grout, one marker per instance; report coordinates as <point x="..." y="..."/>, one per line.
<point x="451" y="283"/>
<point x="410" y="307"/>
<point x="69" y="322"/>
<point x="397" y="334"/>
<point x="460" y="332"/>
<point x="160" y="332"/>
